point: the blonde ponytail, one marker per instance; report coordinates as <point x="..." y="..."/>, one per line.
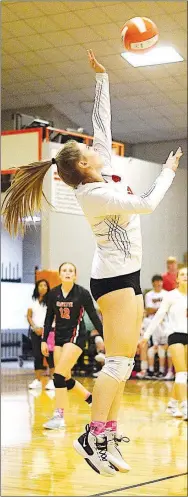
<point x="24" y="196"/>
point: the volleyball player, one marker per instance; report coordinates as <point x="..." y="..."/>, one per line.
<point x="174" y="305"/>
<point x="67" y="303"/>
<point x="36" y="316"/>
<point x="113" y="213"/>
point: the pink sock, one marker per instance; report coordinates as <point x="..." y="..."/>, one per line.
<point x="97" y="427"/>
<point x="59" y="412"/>
<point x="111" y="425"/>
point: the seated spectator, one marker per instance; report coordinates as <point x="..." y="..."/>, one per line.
<point x="142" y="350"/>
<point x="158" y="343"/>
<point x="160" y="346"/>
<point x="96" y="352"/>
<point x="153" y="300"/>
<point x="170" y="277"/>
<point x="99" y="343"/>
<point x="154" y="297"/>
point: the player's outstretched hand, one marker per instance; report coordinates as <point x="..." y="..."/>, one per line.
<point x="173" y="160"/>
<point x="94" y="63"/>
<point x="44" y="349"/>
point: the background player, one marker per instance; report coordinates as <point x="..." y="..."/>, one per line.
<point x="67" y="302"/>
<point x="175" y="306"/>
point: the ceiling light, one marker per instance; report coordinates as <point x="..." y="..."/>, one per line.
<point x="158" y="55"/>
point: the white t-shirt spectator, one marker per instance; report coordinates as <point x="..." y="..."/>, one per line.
<point x="38" y="312"/>
<point x="153" y="300"/>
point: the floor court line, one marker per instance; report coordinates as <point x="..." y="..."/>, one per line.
<point x="110" y="492"/>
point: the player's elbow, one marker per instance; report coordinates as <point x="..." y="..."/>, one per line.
<point x="149" y="207"/>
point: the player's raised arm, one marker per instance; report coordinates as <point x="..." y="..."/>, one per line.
<point x="101" y="116"/>
<point x="104" y="202"/>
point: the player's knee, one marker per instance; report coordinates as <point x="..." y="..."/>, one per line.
<point x="143" y="346"/>
<point x="118" y="367"/>
<point x="59" y="381"/>
<point x="70" y="383"/>
<point x="181" y="378"/>
<point x="161" y="352"/>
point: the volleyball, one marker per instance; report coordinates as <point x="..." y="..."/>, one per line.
<point x="139" y="35"/>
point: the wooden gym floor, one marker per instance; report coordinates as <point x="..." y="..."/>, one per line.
<point x="44" y="463"/>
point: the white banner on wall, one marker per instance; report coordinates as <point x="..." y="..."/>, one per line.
<point x="63" y="197"/>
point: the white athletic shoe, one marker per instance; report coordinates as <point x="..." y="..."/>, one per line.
<point x="50" y="385"/>
<point x="35" y="384"/>
<point x="173" y="409"/>
<point x="94" y="451"/>
<point x="174" y="412"/>
<point x="113" y="452"/>
<point x="55" y="423"/>
<point x="100" y="357"/>
<point x="184" y="410"/>
<point x="169" y="376"/>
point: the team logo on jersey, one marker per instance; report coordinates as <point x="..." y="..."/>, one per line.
<point x="129" y="190"/>
<point x="116" y="178"/>
<point x="64" y="304"/>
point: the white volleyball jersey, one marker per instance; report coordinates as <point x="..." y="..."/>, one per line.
<point x="174" y="305"/>
<point x="110" y="208"/>
<point x="153" y="300"/>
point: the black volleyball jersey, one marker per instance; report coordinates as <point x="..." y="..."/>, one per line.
<point x="68" y="312"/>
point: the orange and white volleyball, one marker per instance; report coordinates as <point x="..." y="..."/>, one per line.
<point x="139" y="35"/>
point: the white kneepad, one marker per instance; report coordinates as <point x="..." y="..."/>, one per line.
<point x="98" y="339"/>
<point x="151" y="352"/>
<point x="161" y="352"/>
<point x="118" y="367"/>
<point x="181" y="378"/>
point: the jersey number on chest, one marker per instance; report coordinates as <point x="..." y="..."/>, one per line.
<point x="64" y="312"/>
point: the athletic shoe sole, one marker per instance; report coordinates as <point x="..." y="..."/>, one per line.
<point x="178" y="415"/>
<point x="50" y="428"/>
<point x="123" y="468"/>
<point x="78" y="447"/>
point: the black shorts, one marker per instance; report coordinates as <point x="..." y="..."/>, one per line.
<point x="37" y="354"/>
<point x="100" y="287"/>
<point x="178" y="338"/>
<point x="150" y="342"/>
<point x="80" y="341"/>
